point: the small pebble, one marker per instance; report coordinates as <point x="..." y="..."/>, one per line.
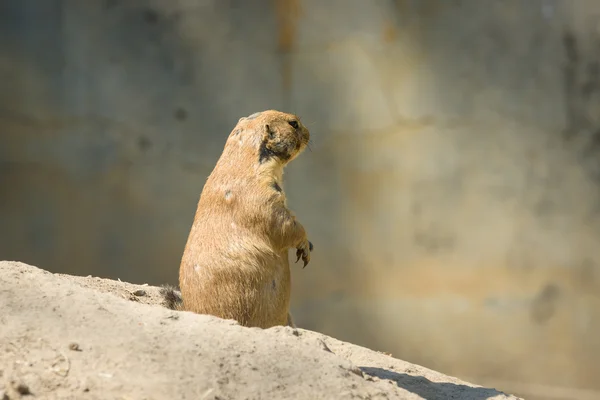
<point x="23" y="389"/>
<point x="139" y="292"/>
<point x="74" y="346"/>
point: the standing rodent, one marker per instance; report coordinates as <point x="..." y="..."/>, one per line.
<point x="235" y="263"/>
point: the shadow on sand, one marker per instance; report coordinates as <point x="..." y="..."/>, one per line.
<point x="432" y="390"/>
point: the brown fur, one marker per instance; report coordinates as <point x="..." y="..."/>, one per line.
<point x="235" y="263"/>
<point x="171" y="297"/>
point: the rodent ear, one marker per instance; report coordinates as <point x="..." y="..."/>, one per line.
<point x="270" y="133"/>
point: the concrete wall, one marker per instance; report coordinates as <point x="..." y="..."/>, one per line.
<point x="451" y="192"/>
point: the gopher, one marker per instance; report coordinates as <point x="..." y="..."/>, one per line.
<point x="235" y="263"/>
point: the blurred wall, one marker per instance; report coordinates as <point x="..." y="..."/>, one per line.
<point x="451" y="191"/>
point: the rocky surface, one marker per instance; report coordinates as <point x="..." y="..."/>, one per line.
<point x="68" y="337"/>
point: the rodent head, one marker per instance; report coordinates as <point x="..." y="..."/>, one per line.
<point x="275" y="135"/>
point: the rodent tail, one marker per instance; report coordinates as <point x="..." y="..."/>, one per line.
<point x="171" y="297"/>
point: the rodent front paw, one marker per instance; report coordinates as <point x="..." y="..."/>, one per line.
<point x="304" y="251"/>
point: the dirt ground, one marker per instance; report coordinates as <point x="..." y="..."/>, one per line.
<point x="69" y="337"/>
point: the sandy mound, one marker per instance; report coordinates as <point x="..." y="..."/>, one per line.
<point x="89" y="338"/>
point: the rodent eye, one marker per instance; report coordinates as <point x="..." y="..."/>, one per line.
<point x="294" y="124"/>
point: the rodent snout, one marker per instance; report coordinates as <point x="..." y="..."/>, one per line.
<point x="304" y="135"/>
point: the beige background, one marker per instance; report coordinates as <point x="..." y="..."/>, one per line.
<point x="452" y="189"/>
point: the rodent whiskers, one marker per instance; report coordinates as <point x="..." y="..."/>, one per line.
<point x="309" y="145"/>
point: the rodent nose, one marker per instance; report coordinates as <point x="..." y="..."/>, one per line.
<point x="305" y="134"/>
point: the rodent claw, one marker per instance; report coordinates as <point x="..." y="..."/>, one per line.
<point x="304" y="252"/>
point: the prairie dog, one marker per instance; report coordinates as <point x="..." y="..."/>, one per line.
<point x="235" y="263"/>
